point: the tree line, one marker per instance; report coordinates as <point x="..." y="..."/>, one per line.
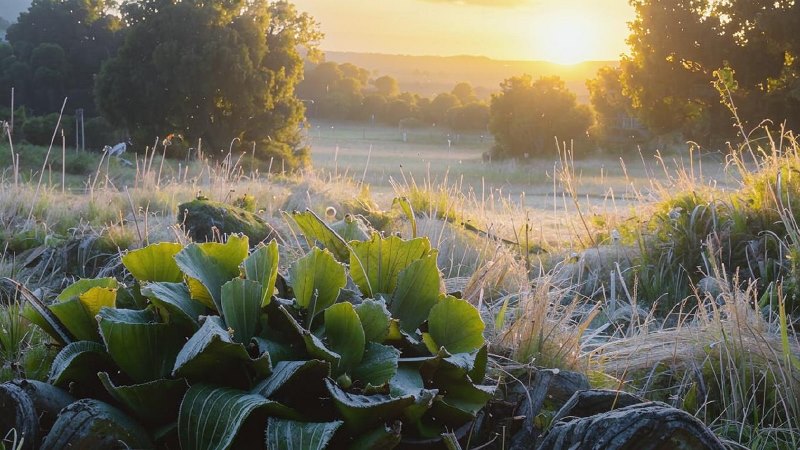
<point x="248" y="72"/>
<point x="348" y="92"/>
<point x="223" y="71"/>
<point x="679" y="50"/>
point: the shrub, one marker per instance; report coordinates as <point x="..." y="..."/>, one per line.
<point x="99" y="133"/>
<point x="200" y="347"/>
<point x="39" y="130"/>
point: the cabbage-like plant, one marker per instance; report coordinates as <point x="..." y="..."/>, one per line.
<point x="364" y="351"/>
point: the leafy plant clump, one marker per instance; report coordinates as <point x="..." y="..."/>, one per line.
<point x="356" y="346"/>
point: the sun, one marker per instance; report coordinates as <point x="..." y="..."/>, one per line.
<point x="565" y="37"/>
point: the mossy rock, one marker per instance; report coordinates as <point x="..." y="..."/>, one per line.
<point x="612" y="420"/>
<point x="207" y="220"/>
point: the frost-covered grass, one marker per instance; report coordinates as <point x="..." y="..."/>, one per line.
<point x="674" y="277"/>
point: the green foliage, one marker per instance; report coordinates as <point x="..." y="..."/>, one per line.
<point x="750" y="234"/>
<point x="40" y="130"/>
<point x="317" y="279"/>
<point x="527" y="116"/>
<point x="165" y="77"/>
<point x="676" y="46"/>
<point x="99" y="133"/>
<point x="213" y="355"/>
<point x="386" y="86"/>
<point x="58" y="47"/>
<point x="291" y="435"/>
<point x="469" y="117"/>
<point x="19" y="341"/>
<point x="345" y="92"/>
<point x="615" y="126"/>
<point x="335" y="90"/>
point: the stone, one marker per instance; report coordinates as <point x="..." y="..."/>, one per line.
<point x="18" y="413"/>
<point x="589" y="402"/>
<point x="552" y="386"/>
<point x="586" y="423"/>
<point x="207" y="220"/>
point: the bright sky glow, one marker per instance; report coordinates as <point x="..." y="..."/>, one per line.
<point x="561" y="31"/>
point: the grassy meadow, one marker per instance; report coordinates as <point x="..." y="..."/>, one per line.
<point x="670" y="275"/>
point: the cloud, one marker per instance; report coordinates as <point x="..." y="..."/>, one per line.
<point x="494" y="3"/>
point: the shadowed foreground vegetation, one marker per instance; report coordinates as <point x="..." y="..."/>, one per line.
<point x="688" y="298"/>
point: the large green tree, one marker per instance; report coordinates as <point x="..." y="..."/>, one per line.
<point x="58" y="47"/>
<point x="676" y="45"/>
<point x="526" y="116"/>
<point x="224" y="72"/>
<point x="615" y="126"/>
<point x="333" y="91"/>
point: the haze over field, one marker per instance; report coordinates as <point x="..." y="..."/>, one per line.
<point x="430" y="75"/>
<point x="565" y="32"/>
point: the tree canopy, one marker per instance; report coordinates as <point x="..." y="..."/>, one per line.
<point x="676" y="45"/>
<point x="224" y="72"/>
<point x="56" y="50"/>
<point x="526" y="116"/>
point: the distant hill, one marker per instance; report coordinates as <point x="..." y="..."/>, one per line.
<point x="430" y="75"/>
<point x="10" y="9"/>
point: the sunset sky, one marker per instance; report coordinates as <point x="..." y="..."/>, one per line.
<point x="563" y="31"/>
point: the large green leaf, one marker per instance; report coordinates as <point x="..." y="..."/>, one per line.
<point x="293" y="435"/>
<point x="278" y="349"/>
<point x="156" y="262"/>
<point x="471" y="364"/>
<point x="375" y="319"/>
<point x="76" y="319"/>
<point x="361" y="412"/>
<point x="96" y="298"/>
<point x="241" y="307"/>
<point x="287" y="374"/>
<point x="77" y="305"/>
<point x="314" y="346"/>
<point x="316" y="230"/>
<point x="262" y="266"/>
<point x="345" y="335"/>
<point x="455" y="325"/>
<point x="460" y="404"/>
<point x="213" y="264"/>
<point x="418" y="289"/>
<point x="382" y="438"/>
<point x="212" y="348"/>
<point x="210" y="417"/>
<point x="175" y="304"/>
<point x="141" y="346"/>
<point x="199" y="293"/>
<point x="40" y="315"/>
<point x="92" y="424"/>
<point x="154" y="402"/>
<point x="316" y="279"/>
<point x="300" y="385"/>
<point x="408" y="381"/>
<point x="462" y="398"/>
<point x="79" y="363"/>
<point x="376" y="264"/>
<point x="378" y="365"/>
<point x="79" y="287"/>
